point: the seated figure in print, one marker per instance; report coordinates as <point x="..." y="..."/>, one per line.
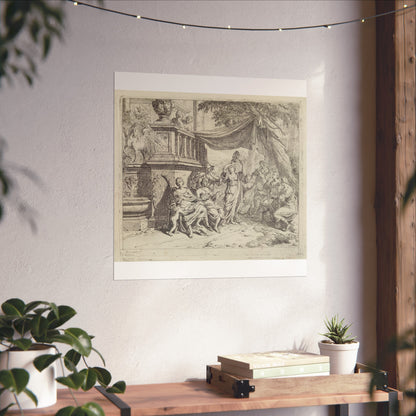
<point x="215" y="213"/>
<point x="187" y="213"/>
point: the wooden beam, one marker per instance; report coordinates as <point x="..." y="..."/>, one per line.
<point x="385" y="186"/>
<point x="395" y="163"/>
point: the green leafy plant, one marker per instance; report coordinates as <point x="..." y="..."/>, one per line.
<point x="337" y="331"/>
<point x="28" y="28"/>
<point x="404" y="343"/>
<point x="26" y="35"/>
<point x="25" y="326"/>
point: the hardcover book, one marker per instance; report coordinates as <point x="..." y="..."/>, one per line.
<point x="283" y="371"/>
<point x="257" y="360"/>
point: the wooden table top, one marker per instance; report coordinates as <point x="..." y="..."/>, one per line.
<point x="199" y="397"/>
<point x="65" y="399"/>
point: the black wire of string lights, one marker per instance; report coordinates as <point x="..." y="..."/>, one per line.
<point x="246" y="29"/>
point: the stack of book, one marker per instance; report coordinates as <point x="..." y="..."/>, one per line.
<point x="275" y="364"/>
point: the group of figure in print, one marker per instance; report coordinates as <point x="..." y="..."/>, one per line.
<point x="211" y="200"/>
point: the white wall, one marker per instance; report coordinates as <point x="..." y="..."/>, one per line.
<point x="62" y="129"/>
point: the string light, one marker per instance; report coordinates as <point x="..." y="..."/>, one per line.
<point x="247" y="29"/>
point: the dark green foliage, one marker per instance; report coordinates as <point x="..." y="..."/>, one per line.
<point x="118" y="387"/>
<point x="407" y="342"/>
<point x="22" y="326"/>
<point x="88" y="409"/>
<point x="71" y="359"/>
<point x="410" y="188"/>
<point x="404" y="342"/>
<point x="45" y="360"/>
<point x="27" y="30"/>
<point x="9" y="190"/>
<point x="5" y="182"/>
<point x="15" y="380"/>
<point x="4" y="411"/>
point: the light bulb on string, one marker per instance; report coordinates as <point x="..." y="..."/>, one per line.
<point x="405" y="8"/>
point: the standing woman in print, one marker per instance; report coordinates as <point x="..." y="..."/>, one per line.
<point x="232" y="176"/>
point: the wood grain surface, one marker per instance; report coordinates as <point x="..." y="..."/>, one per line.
<point x="197" y="396"/>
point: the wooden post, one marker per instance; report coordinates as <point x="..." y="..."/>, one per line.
<point x="395" y="163"/>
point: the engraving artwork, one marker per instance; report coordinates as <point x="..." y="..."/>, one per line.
<point x="202" y="177"/>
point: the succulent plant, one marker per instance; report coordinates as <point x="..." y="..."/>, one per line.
<point x="337" y="331"/>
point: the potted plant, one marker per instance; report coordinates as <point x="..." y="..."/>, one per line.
<point x="341" y="347"/>
<point x="34" y="331"/>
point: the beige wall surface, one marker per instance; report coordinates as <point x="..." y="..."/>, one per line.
<point x="154" y="331"/>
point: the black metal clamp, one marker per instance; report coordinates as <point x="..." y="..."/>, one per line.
<point x="208" y="375"/>
<point x="242" y="389"/>
<point x="380" y="382"/>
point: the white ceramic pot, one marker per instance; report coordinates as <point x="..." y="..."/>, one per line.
<point x="42" y="384"/>
<point x="342" y="357"/>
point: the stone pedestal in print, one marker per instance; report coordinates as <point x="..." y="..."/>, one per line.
<point x="148" y="186"/>
<point x="137" y="206"/>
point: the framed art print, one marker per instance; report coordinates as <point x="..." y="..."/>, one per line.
<point x="209" y="177"/>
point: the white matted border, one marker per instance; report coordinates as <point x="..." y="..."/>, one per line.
<point x="130" y="81"/>
<point x="208" y="269"/>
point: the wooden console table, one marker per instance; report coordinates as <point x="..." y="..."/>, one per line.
<point x="193" y="397"/>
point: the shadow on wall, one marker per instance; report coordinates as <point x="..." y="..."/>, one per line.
<point x="367" y="215"/>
